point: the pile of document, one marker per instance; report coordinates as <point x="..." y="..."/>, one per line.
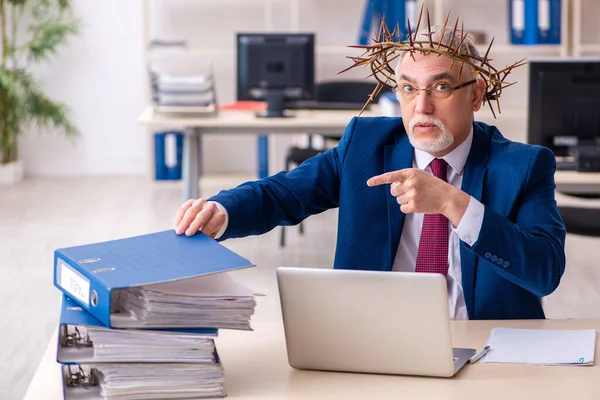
<point x="208" y="301"/>
<point x="183" y="85"/>
<point x="135" y="364"/>
<point x="169" y="381"/>
<point x="120" y="345"/>
<point x="140" y="315"/>
<point x="143" y="381"/>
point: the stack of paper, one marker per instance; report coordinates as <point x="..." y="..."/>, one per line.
<point x="136" y="364"/>
<point x="144" y="381"/>
<point x="215" y="301"/>
<point x="142" y="313"/>
<point x="541" y="346"/>
<point x="185" y="85"/>
<point x="79" y="344"/>
<point x="165" y="381"/>
<point x="111" y="345"/>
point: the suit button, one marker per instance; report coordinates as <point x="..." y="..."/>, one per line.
<point x="499" y="261"/>
<point x="506" y="264"/>
<point x="487" y="255"/>
<point x="494" y="258"/>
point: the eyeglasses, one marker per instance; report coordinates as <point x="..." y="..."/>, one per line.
<point x="438" y="90"/>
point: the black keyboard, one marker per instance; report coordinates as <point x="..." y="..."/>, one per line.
<point x="323" y="105"/>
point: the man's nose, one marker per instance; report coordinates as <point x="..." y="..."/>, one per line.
<point x="424" y="103"/>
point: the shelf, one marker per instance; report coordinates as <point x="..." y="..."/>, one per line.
<point x="514" y="48"/>
<point x="496" y="48"/>
<point x="345" y="50"/>
<point x="211" y="51"/>
<point x="591" y="47"/>
<point x="189" y="51"/>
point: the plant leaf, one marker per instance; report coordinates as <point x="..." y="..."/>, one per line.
<point x="48" y="36"/>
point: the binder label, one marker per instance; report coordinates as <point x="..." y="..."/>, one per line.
<point x="544" y="16"/>
<point x="518" y="15"/>
<point x="170" y="150"/>
<point x="74" y="283"/>
<point x="411" y="13"/>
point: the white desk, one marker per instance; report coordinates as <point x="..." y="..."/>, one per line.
<point x="306" y="121"/>
<point x="587" y="183"/>
<point x="256" y="367"/>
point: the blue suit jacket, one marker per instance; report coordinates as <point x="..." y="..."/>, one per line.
<point x="518" y="258"/>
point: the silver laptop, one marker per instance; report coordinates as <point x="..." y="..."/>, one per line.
<point x="368" y="321"/>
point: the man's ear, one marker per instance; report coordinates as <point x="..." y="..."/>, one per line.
<point x="478" y="94"/>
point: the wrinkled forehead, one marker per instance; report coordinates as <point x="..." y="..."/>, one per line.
<point x="427" y="67"/>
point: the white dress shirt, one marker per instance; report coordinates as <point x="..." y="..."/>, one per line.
<point x="467" y="230"/>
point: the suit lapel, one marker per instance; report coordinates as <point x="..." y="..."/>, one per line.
<point x="472" y="184"/>
<point x="397" y="156"/>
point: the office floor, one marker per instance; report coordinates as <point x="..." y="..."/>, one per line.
<point x="39" y="216"/>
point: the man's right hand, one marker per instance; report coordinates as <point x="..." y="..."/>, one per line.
<point x="199" y="216"/>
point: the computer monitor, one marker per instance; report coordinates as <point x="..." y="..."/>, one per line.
<point x="275" y="67"/>
<point x="564" y="107"/>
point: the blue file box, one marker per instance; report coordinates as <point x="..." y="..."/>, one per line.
<point x="263" y="156"/>
<point x="168" y="155"/>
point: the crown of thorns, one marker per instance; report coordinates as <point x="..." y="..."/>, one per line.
<point x="385" y="49"/>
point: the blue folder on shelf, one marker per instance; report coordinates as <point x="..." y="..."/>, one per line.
<point x="549" y="19"/>
<point x="535" y="22"/>
<point x="396" y="13"/>
<point x="91" y="274"/>
<point x="75" y="346"/>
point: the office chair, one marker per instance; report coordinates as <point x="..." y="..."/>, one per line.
<point x="334" y="92"/>
<point x="581" y="220"/>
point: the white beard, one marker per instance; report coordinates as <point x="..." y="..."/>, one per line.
<point x="435" y="145"/>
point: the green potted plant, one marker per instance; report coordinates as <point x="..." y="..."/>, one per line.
<point x="31" y="31"/>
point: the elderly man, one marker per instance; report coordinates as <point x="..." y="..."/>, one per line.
<point x="432" y="191"/>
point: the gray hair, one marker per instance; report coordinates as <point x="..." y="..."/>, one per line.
<point x="467" y="47"/>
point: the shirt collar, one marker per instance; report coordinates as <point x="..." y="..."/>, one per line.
<point x="457" y="158"/>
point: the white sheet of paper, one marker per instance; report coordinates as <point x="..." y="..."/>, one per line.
<point x="220" y="284"/>
<point x="541" y="346"/>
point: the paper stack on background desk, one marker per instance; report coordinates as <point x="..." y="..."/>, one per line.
<point x="183" y="85"/>
<point x="541" y="346"/>
<point x="177" y="284"/>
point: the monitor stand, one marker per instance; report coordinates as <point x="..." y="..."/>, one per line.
<point x="275" y="105"/>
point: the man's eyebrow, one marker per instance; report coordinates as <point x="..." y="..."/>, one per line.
<point x="443" y="75"/>
<point x="434" y="78"/>
<point x="406" y="78"/>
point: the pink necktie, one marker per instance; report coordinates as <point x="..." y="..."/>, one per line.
<point x="433" y="246"/>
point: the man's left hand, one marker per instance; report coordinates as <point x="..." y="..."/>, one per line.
<point x="419" y="192"/>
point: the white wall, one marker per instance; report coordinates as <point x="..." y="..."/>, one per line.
<point x="100" y="77"/>
<point x="100" y="74"/>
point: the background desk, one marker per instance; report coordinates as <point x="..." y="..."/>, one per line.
<point x="256" y="367"/>
<point x="306" y="121"/>
<point x="586" y="183"/>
